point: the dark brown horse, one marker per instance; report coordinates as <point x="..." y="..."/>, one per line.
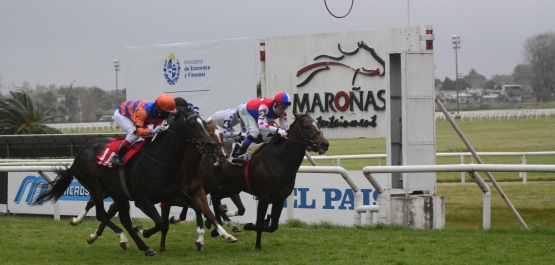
<point x="151" y="177"/>
<point x="270" y="174"/>
<point x="193" y="186"/>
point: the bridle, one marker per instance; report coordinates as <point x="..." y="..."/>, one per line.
<point x="310" y="139"/>
<point x="194" y="141"/>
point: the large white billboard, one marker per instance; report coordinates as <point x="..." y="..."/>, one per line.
<point x="340" y="78"/>
<point x="317" y="197"/>
<point x="210" y="75"/>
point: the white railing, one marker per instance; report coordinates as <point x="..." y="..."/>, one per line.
<point x="472" y="168"/>
<point x="85" y="126"/>
<point x="35" y="166"/>
<point x="499" y="114"/>
<point x="462" y="155"/>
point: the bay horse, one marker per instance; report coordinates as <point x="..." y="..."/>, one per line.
<point x="193" y="186"/>
<point x="212" y="176"/>
<point x="151" y="177"/>
<point x="271" y="172"/>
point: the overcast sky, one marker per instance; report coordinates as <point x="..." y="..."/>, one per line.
<point x="56" y="41"/>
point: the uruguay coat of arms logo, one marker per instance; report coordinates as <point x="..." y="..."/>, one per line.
<point x="172" y="69"/>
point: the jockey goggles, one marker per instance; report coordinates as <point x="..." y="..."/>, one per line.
<point x="282" y="106"/>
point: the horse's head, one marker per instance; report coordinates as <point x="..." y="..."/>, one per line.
<point x="220" y="154"/>
<point x="307" y="130"/>
<point x="194" y="129"/>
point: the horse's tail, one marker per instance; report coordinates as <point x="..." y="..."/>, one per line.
<point x="56" y="188"/>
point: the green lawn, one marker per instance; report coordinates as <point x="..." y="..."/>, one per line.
<point x="505" y="135"/>
<point x="41" y="240"/>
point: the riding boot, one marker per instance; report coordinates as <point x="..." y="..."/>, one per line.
<point x="117" y="159"/>
<point x="238" y="154"/>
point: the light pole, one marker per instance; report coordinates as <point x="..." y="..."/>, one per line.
<point x="116" y="68"/>
<point x="456" y="40"/>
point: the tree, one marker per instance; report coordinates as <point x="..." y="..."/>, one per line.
<point x="522" y="74"/>
<point x="539" y="51"/>
<point x="490" y="84"/>
<point x="448" y="84"/>
<point x="438" y="83"/>
<point x="474" y="79"/>
<point x="19" y="115"/>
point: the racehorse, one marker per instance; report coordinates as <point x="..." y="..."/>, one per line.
<point x="270" y="174"/>
<point x="153" y="176"/>
<point x="212" y="176"/>
<point x="193" y="186"/>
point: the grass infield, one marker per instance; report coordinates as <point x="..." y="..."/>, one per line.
<point x="41" y="240"/>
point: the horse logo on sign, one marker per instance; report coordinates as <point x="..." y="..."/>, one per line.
<point x="172" y="69"/>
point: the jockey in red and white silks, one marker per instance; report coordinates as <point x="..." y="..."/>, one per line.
<point x="255" y="115"/>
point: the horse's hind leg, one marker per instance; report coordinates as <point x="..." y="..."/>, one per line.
<point x="111" y="213"/>
<point x="78" y="219"/>
<point x="103" y="217"/>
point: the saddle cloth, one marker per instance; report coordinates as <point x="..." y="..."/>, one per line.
<point x="111" y="148"/>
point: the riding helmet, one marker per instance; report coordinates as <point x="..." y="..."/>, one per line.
<point x="166" y="103"/>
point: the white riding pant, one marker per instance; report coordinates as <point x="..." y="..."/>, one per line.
<point x="127" y="125"/>
<point x="251" y="124"/>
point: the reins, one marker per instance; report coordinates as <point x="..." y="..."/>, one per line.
<point x="195" y="142"/>
<point x="306" y="140"/>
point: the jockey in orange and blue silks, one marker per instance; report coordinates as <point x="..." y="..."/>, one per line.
<point x="255" y="115"/>
<point x="134" y="117"/>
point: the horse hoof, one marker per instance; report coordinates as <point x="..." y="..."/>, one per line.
<point x="149" y="252"/>
<point x="249" y="226"/>
<point x="231" y="239"/>
<point x="214" y="233"/>
<point x="173" y="220"/>
<point x="91" y="239"/>
<point x="138" y="229"/>
<point x="73" y="222"/>
<point x="207" y="224"/>
<point x="236" y="229"/>
<point x="125" y="246"/>
<point x="199" y="246"/>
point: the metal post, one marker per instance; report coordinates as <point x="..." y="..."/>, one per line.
<point x="456" y="40"/>
<point x="479" y="160"/>
<point x="116" y="68"/>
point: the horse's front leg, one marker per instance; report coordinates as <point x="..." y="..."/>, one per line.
<point x="200" y="196"/>
<point x="182" y="216"/>
<point x="236" y="199"/>
<point x="165" y="209"/>
<point x="150" y="210"/>
<point x="260" y="214"/>
<point x="277" y="208"/>
<point x="125" y="220"/>
<point x="199" y="244"/>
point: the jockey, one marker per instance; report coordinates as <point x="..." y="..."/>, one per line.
<point x="227" y="119"/>
<point x="134" y="118"/>
<point x="254" y="115"/>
